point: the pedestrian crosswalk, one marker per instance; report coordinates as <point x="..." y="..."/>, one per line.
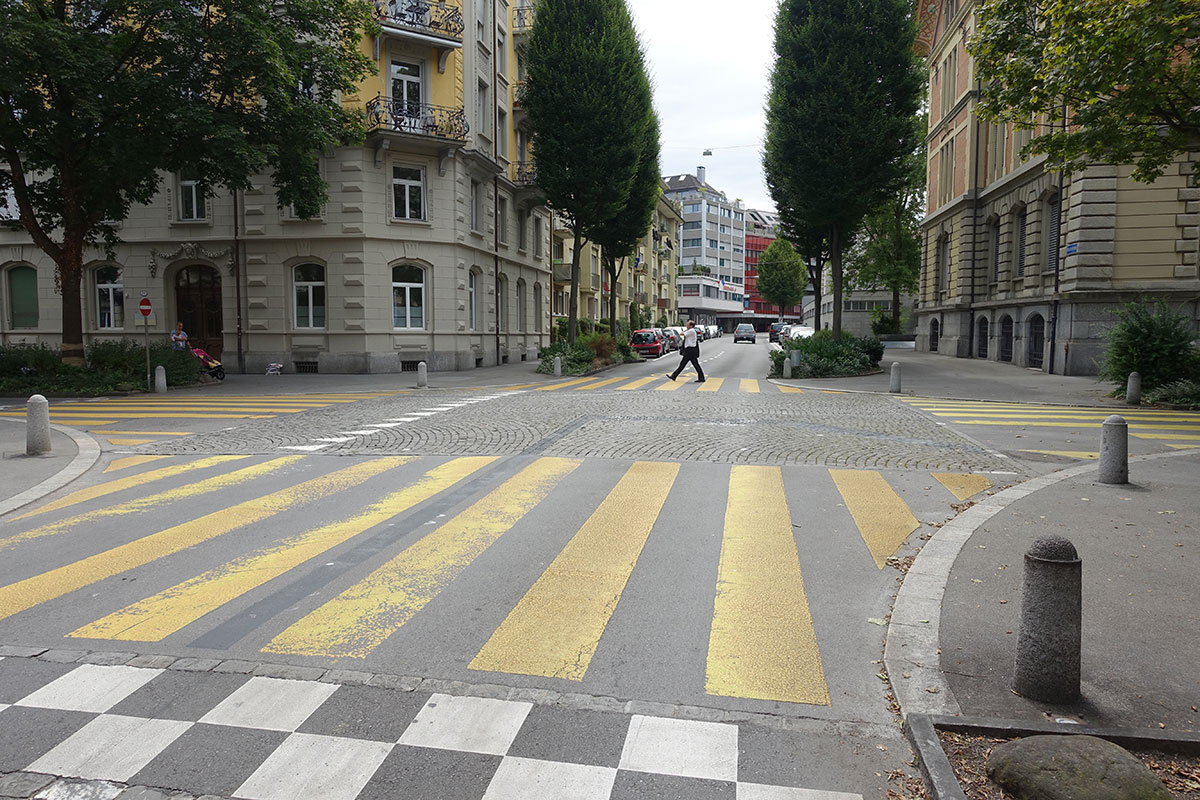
<point x="121" y="410"/>
<point x="1173" y="428"/>
<point x="686" y="381"/>
<point x="384" y="544"/>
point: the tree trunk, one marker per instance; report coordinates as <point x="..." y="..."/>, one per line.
<point x="896" y="309"/>
<point x="70" y="278"/>
<point x="814" y="277"/>
<point x="573" y="300"/>
<point x="835" y="265"/>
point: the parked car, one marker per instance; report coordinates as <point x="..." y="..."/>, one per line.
<point x="745" y="332"/>
<point x="773" y="333"/>
<point x="714" y="332"/>
<point x="647" y="342"/>
<point x="674" y="338"/>
<point x="668" y="345"/>
<point x="800" y="332"/>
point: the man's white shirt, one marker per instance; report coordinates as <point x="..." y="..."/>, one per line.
<point x="691" y="338"/>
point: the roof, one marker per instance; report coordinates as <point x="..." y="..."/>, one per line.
<point x="682" y="183"/>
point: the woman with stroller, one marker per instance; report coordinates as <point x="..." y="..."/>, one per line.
<point x="179" y="337"/>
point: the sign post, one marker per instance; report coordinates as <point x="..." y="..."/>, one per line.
<point x="145" y="307"/>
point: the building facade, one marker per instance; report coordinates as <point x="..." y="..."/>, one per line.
<point x="1023" y="265"/>
<point x="712" y="254"/>
<point x="762" y="228"/>
<point x="433" y="245"/>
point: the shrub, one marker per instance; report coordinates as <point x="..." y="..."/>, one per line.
<point x="575" y="361"/>
<point x="601" y="344"/>
<point x="18" y="360"/>
<point x="1151" y="339"/>
<point x="1184" y="393"/>
<point x="127" y="358"/>
<point x="823" y="357"/>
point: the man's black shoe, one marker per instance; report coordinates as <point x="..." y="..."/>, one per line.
<point x="698" y="380"/>
<point x="669" y="375"/>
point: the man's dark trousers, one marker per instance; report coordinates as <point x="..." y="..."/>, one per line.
<point x="692" y="355"/>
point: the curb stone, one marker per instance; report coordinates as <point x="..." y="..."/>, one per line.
<point x="86" y="455"/>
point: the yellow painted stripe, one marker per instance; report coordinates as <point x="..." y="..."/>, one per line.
<point x="157" y="617"/>
<point x="962" y="485"/>
<point x="116" y="440"/>
<point x="830" y="391"/>
<point x="74" y="423"/>
<point x="556" y="627"/>
<point x="883" y="519"/>
<point x="639" y="383"/>
<point x="104" y="418"/>
<point x="748" y="385"/>
<point x="1183" y="446"/>
<point x="555" y="386"/>
<point x="762" y="645"/>
<point x="671" y="386"/>
<point x="149" y="433"/>
<point x="598" y="384"/>
<point x="1184" y="436"/>
<point x="518" y="386"/>
<point x="1083" y="454"/>
<point x="141" y="479"/>
<point x="1037" y="416"/>
<point x="359" y="619"/>
<point x="791" y="390"/>
<point x="213" y="484"/>
<point x="1150" y="426"/>
<point x="130" y="461"/>
<point x="28" y="593"/>
<point x="179" y="407"/>
<point x="711" y="385"/>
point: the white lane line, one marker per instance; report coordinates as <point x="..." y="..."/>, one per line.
<point x="384" y="424"/>
<point x="335" y="439"/>
<point x="308" y="448"/>
<point x="423" y="413"/>
<point x="360" y="433"/>
<point x="403" y="419"/>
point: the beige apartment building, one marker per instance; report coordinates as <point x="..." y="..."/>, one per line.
<point x="433" y="245"/>
<point x="1023" y="265"/>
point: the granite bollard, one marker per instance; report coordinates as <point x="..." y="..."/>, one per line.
<point x="1114" y="450"/>
<point x="1133" y="389"/>
<point x="1050" y="636"/>
<point x="558" y="366"/>
<point x="422" y="375"/>
<point x="37" y="426"/>
<point x="160" y="379"/>
<point x="894" y="385"/>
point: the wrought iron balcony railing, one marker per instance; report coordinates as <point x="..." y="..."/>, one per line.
<point x="523" y="19"/>
<point x="421" y="119"/>
<point x="524" y="173"/>
<point x="438" y="19"/>
<point x="639" y="298"/>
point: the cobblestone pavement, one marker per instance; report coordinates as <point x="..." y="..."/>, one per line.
<point x="845" y="430"/>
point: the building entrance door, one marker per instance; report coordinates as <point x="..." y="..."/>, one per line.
<point x="198" y="307"/>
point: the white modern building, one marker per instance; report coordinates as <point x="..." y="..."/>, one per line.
<point x="712" y="253"/>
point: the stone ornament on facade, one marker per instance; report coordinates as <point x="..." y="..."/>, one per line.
<point x="190" y="250"/>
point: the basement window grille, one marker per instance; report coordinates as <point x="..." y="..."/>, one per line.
<point x="409" y="366"/>
<point x="305" y="367"/>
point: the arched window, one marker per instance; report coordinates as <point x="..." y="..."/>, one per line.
<point x="472" y="317"/>
<point x="309" y="283"/>
<point x="981" y="337"/>
<point x="110" y="298"/>
<point x="519" y="300"/>
<point x="23" y="297"/>
<point x="537" y="307"/>
<point x="1035" y="341"/>
<point x="408" y="296"/>
<point x="934" y="335"/>
<point x="501" y="302"/>
<point x="1006" y="338"/>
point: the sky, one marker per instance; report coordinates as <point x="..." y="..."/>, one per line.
<point x="710" y="61"/>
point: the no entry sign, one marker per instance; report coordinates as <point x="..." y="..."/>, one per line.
<point x="144" y="306"/>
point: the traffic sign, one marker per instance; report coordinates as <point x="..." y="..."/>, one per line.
<point x="144" y="307"/>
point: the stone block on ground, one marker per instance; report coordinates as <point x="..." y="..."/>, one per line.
<point x="23" y="784"/>
<point x="1072" y="767"/>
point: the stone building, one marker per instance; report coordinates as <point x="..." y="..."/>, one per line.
<point x="1023" y="265"/>
<point x="433" y="245"/>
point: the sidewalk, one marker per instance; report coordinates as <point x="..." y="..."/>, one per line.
<point x="1140" y="547"/>
<point x="24" y="479"/>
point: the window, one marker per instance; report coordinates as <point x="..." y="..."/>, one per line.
<point x="949" y="81"/>
<point x="994" y="232"/>
<point x="501" y="54"/>
<point x="501" y="301"/>
<point x="522" y="226"/>
<point x="946" y="173"/>
<point x="191" y="199"/>
<point x="23" y="297"/>
<point x="537" y="307"/>
<point x="1053" y="225"/>
<point x="691" y="242"/>
<point x="520" y="301"/>
<point x="472" y="318"/>
<point x="308" y="281"/>
<point x="689" y="290"/>
<point x="943" y="263"/>
<point x="483" y="116"/>
<point x="8" y="204"/>
<point x="481" y="18"/>
<point x="537" y="237"/>
<point x="691" y="208"/>
<point x="476" y="205"/>
<point x="408" y="193"/>
<point x="502" y="132"/>
<point x="691" y="226"/>
<point x="110" y="298"/>
<point x="502" y="219"/>
<point x="1022" y="227"/>
<point x="997" y="151"/>
<point x="407" y="92"/>
<point x="408" y="296"/>
<point x="712" y="243"/>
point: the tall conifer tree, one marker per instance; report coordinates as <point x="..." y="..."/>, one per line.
<point x="841" y="117"/>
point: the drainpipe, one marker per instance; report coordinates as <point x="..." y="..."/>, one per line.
<point x="237" y="281"/>
<point x="496" y="178"/>
<point x="1058" y="265"/>
<point x="974" y="221"/>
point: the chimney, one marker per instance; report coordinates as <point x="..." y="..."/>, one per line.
<point x="700" y="174"/>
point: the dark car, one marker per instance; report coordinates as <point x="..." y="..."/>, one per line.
<point x="648" y="343"/>
<point x="746" y="332"/>
<point x="773" y="334"/>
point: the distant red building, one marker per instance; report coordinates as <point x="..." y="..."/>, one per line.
<point x="760" y="232"/>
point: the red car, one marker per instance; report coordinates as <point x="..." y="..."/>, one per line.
<point x="648" y="343"/>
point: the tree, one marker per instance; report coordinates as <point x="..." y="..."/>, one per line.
<point x="584" y="75"/>
<point x="887" y="252"/>
<point x="1126" y="72"/>
<point x="845" y="88"/>
<point x="98" y="98"/>
<point x="781" y="275"/>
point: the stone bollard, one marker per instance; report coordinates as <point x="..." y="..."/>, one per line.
<point x="160" y="378"/>
<point x="558" y="366"/>
<point x="1114" y="450"/>
<point x="422" y="376"/>
<point x="894" y="386"/>
<point x="37" y="426"/>
<point x="1133" y="389"/>
<point x="1049" y="641"/>
<point x="787" y="368"/>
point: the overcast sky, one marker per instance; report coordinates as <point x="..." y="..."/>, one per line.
<point x="710" y="60"/>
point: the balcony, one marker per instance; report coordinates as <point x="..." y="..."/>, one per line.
<point x="522" y="19"/>
<point x="640" y="298"/>
<point x="664" y="302"/>
<point x="562" y="271"/>
<point x="385" y="115"/>
<point x="524" y="173"/>
<point x="418" y="16"/>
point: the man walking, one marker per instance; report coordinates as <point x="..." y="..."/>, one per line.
<point x="690" y="352"/>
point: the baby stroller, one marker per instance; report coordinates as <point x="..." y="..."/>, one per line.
<point x="210" y="364"/>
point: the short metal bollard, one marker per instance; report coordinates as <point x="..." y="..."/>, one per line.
<point x="37" y="426"/>
<point x="422" y="375"/>
<point x="894" y="385"/>
<point x="1050" y="638"/>
<point x="787" y="368"/>
<point x="1133" y="389"/>
<point x="558" y="366"/>
<point x="160" y="379"/>
<point x="1114" y="450"/>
